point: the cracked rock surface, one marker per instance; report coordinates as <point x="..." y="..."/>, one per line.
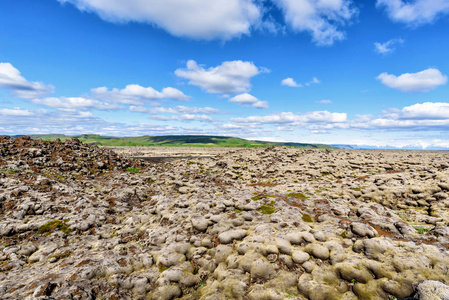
<point x="82" y="222"/>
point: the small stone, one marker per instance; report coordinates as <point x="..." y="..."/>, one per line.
<point x="230" y="235"/>
<point x="309" y="266"/>
<point x="167" y="292"/>
<point x="200" y="224"/>
<point x="262" y="269"/>
<point x="317" y="250"/>
<point x="300" y="257"/>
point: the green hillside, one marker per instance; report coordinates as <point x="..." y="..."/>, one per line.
<point x="174" y="141"/>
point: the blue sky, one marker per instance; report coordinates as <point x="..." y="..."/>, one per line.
<point x="323" y="71"/>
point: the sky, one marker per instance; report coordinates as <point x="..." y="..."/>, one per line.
<point x="308" y="71"/>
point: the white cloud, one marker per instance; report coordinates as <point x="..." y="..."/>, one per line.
<point x="313" y="81"/>
<point x="289" y="117"/>
<point x="261" y="104"/>
<point x="290" y="82"/>
<point x="415" y="12"/>
<point x="11" y="79"/>
<point x="176" y="110"/>
<point x="185" y="117"/>
<point x="325" y="101"/>
<point x="425" y="116"/>
<point x="322" y="18"/>
<point x="388" y="46"/>
<point x="136" y="94"/>
<point x="248" y="99"/>
<point x="198" y="19"/>
<point x="422" y="81"/>
<point x="422" y="111"/>
<point x="230" y="77"/>
<point x="15" y="112"/>
<point x="75" y="103"/>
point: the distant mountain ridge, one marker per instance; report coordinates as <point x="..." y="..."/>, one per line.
<point x="175" y="141"/>
<point x="387" y="147"/>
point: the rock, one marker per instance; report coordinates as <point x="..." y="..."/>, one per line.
<point x="300" y="257"/>
<point x="318" y="251"/>
<point x="167" y="292"/>
<point x="262" y="269"/>
<point x="200" y="224"/>
<point x="363" y="230"/>
<point x="231" y="235"/>
<point x="432" y="290"/>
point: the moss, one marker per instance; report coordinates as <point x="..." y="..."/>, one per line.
<point x="325" y="173"/>
<point x="238" y="210"/>
<point x="292" y="295"/>
<point x="266" y="209"/>
<point x="61" y="255"/>
<point x="260" y="196"/>
<point x="421" y="230"/>
<point x="162" y="268"/>
<point x="53" y="225"/>
<point x="307" y="218"/>
<point x="297" y="195"/>
<point x="133" y="170"/>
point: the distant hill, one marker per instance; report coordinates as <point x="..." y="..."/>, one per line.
<point x="407" y="147"/>
<point x="174" y="141"/>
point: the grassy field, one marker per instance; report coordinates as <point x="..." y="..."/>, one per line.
<point x="175" y="141"/>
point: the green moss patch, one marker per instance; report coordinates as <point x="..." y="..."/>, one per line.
<point x="260" y="196"/>
<point x="54" y="225"/>
<point x="297" y="195"/>
<point x="267" y="209"/>
<point x="421" y="230"/>
<point x="132" y="170"/>
<point x="307" y="218"/>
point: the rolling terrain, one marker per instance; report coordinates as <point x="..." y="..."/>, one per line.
<point x="175" y="141"/>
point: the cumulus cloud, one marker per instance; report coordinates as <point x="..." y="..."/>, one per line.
<point x="135" y="94"/>
<point x="425" y="116"/>
<point x="75" y="103"/>
<point x="387" y="47"/>
<point x="289" y="117"/>
<point x="185" y="117"/>
<point x="290" y="82"/>
<point x="415" y="12"/>
<point x="15" y="112"/>
<point x="12" y="80"/>
<point x="230" y="77"/>
<point x="422" y="81"/>
<point x="198" y="19"/>
<point x="246" y="99"/>
<point x="421" y="111"/>
<point x="175" y="110"/>
<point x="321" y="18"/>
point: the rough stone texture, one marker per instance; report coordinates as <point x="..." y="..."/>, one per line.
<point x="82" y="222"/>
<point x="432" y="290"/>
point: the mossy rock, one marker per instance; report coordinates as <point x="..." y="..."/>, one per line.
<point x="53" y="225"/>
<point x="297" y="195"/>
<point x="266" y="209"/>
<point x="307" y="218"/>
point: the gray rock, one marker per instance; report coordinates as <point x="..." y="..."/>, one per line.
<point x="231" y="235"/>
<point x="300" y="257"/>
<point x="432" y="290"/>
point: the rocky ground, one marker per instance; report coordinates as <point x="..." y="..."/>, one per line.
<point x="82" y="222"/>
